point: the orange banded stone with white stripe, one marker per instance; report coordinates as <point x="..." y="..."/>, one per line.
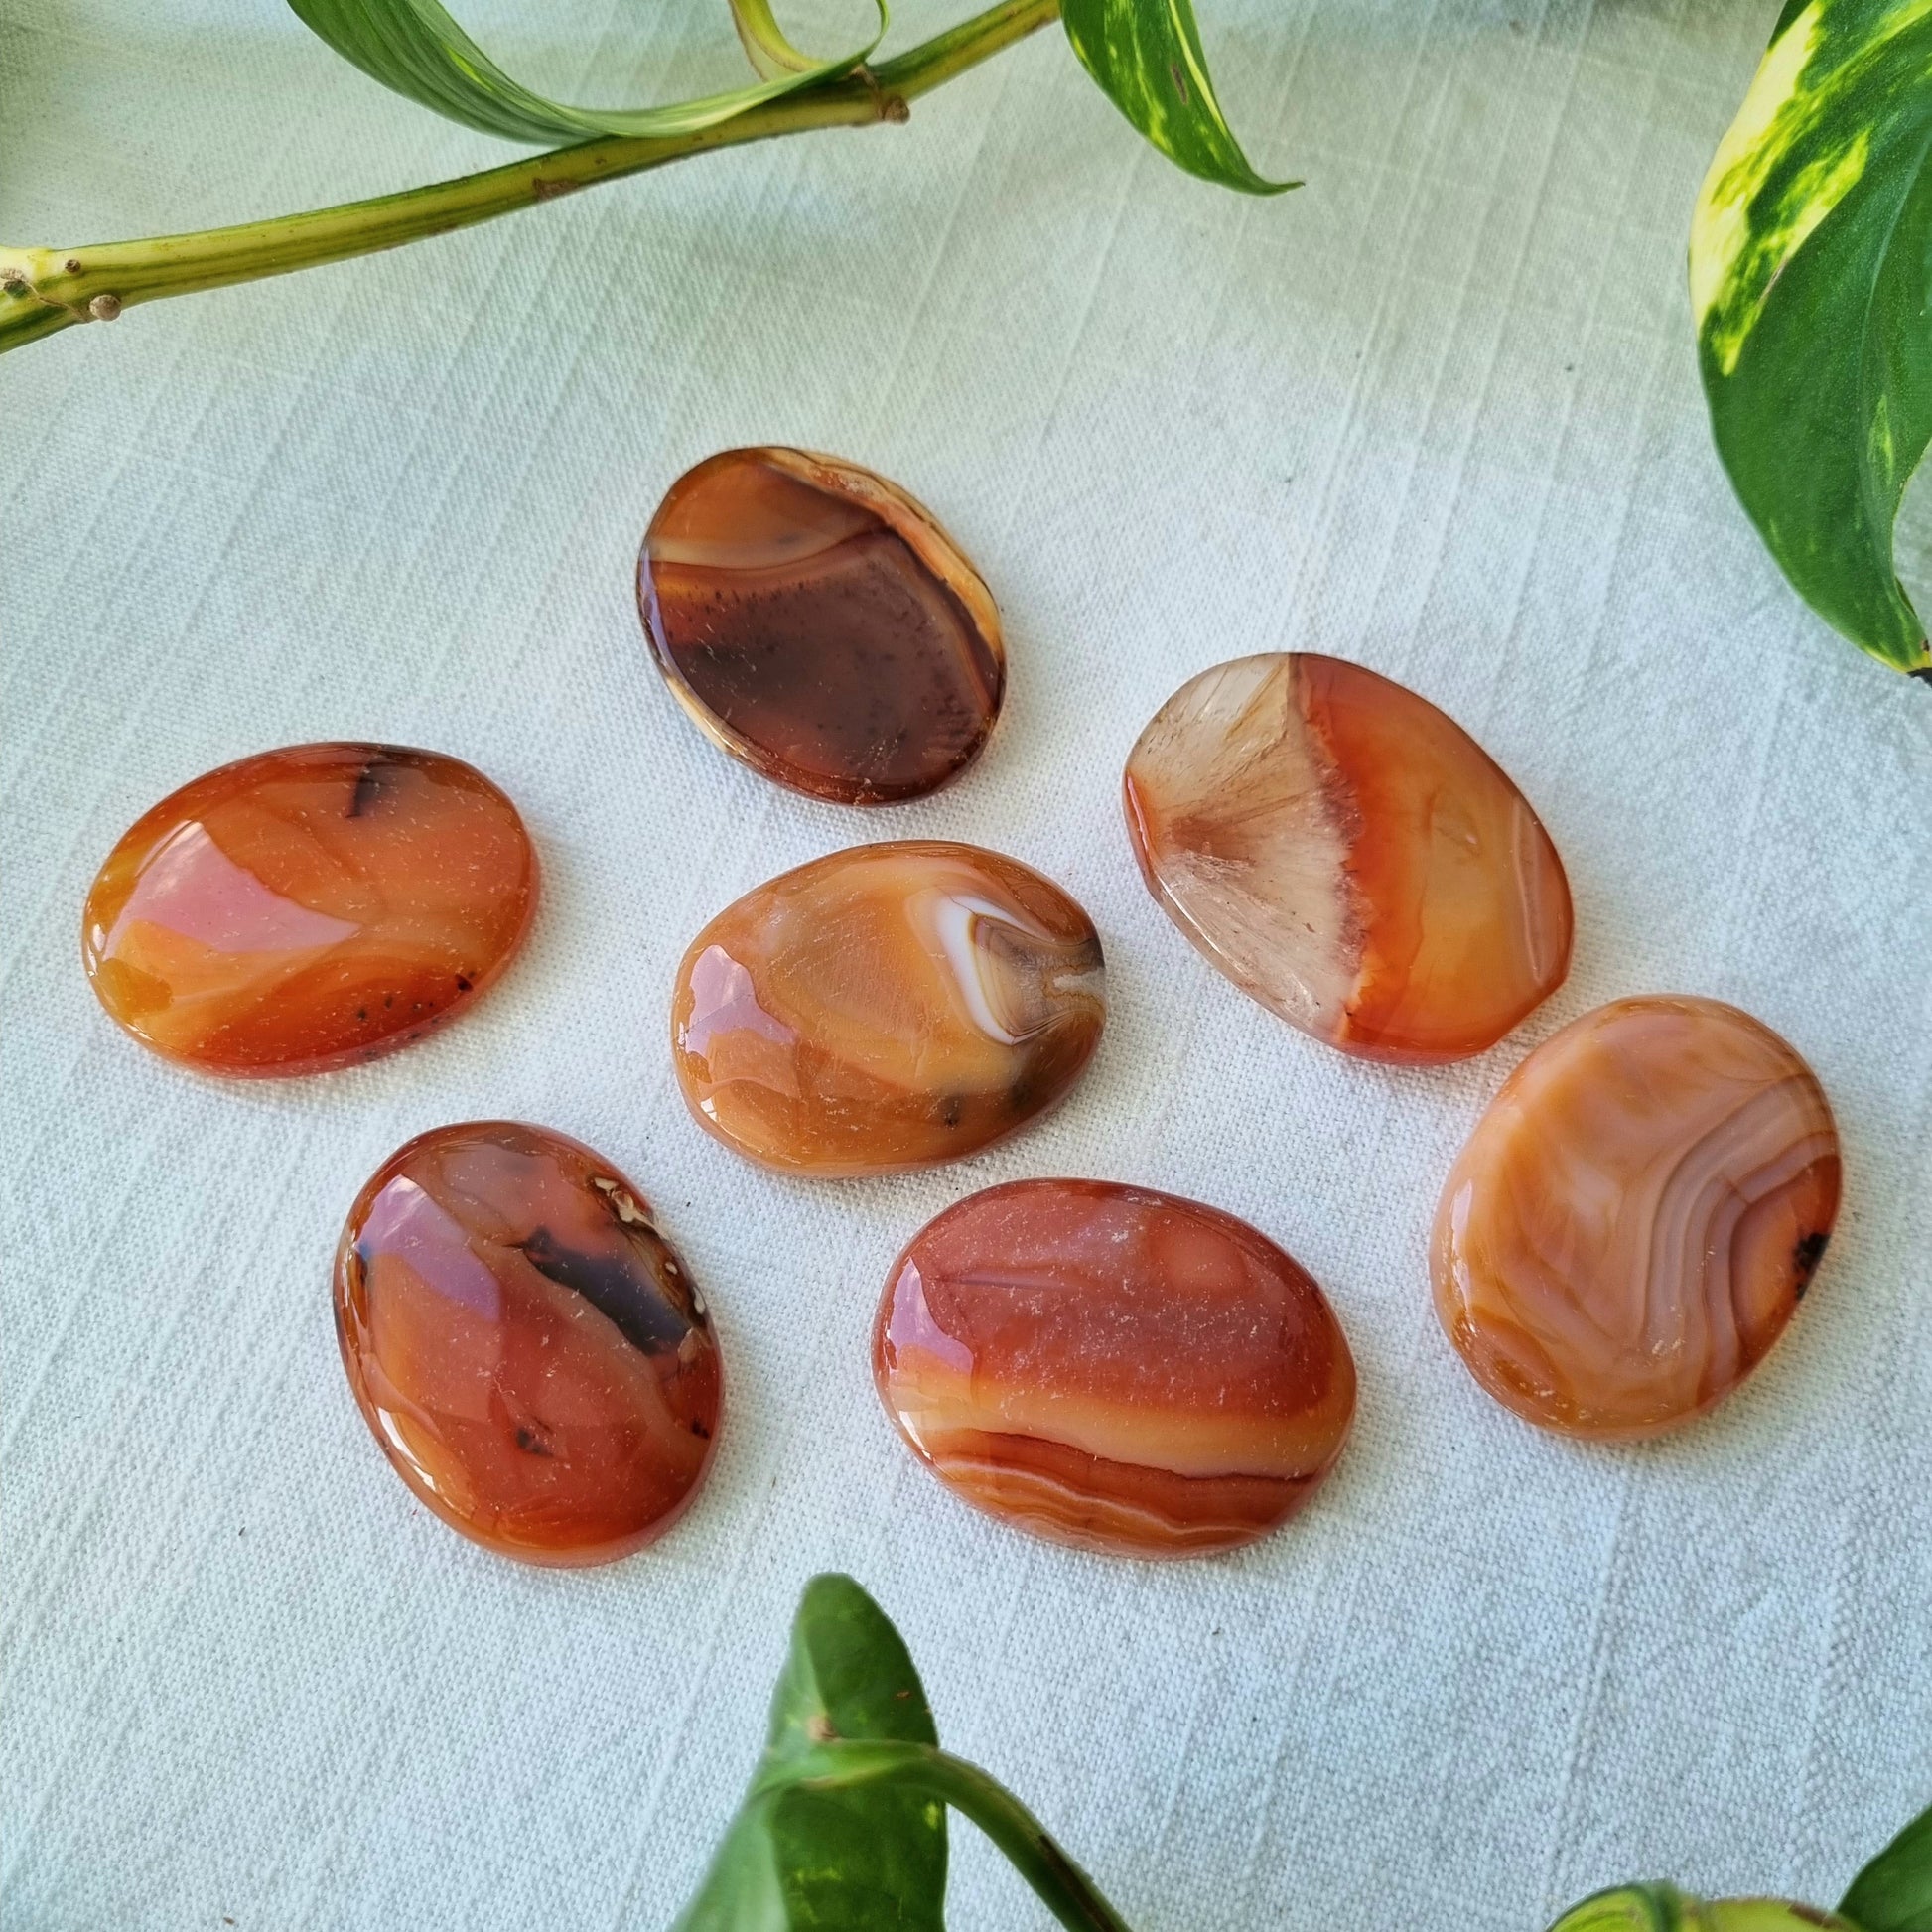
<point x="1113" y="1368"/>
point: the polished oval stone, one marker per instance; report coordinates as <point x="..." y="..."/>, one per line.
<point x="1112" y="1367"/>
<point x="820" y="625"/>
<point x="1636" y="1217"/>
<point x="1348" y="856"/>
<point x="309" y="907"/>
<point x="528" y="1349"/>
<point x="889" y="1007"/>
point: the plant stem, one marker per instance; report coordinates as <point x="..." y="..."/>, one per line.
<point x="43" y="290"/>
<point x="933" y="63"/>
<point x="1067" y="1893"/>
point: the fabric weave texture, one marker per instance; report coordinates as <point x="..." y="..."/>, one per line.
<point x="1437" y="411"/>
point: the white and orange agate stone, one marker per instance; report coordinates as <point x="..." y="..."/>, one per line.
<point x="1637" y="1217"/>
<point x="1349" y="856"/>
<point x="1113" y="1368"/>
<point x="889" y="1007"/>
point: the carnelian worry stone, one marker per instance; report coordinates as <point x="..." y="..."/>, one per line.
<point x="1636" y="1217"/>
<point x="820" y="625"/>
<point x="1349" y="856"/>
<point x="889" y="1007"/>
<point x="1113" y="1368"/>
<point x="526" y="1347"/>
<point x="309" y="907"/>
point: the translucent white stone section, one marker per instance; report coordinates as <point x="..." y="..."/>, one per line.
<point x="1245" y="840"/>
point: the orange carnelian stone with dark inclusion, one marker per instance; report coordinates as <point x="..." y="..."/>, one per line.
<point x="528" y="1349"/>
<point x="310" y="908"/>
<point x="1349" y="856"/>
<point x="1635" y="1220"/>
<point x="893" y="1005"/>
<point x="820" y="625"/>
<point x="1112" y="1367"/>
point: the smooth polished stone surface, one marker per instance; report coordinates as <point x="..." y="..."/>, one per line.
<point x="1113" y="1367"/>
<point x="310" y="908"/>
<point x="820" y="625"/>
<point x="888" y="1007"/>
<point x="1636" y="1217"/>
<point x="1349" y="856"/>
<point x="529" y="1351"/>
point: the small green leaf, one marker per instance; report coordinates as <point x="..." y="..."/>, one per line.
<point x="1810" y="281"/>
<point x="416" y="48"/>
<point x="870" y="1856"/>
<point x="1893" y="1893"/>
<point x="1147" y="57"/>
<point x="848" y="1674"/>
<point x="845" y="1823"/>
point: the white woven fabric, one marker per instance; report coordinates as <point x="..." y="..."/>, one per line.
<point x="1437" y="411"/>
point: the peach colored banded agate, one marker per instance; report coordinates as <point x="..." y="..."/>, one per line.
<point x="1349" y="856"/>
<point x="892" y="1006"/>
<point x="1113" y="1368"/>
<point x="819" y="626"/>
<point x="528" y="1349"/>
<point x="1636" y="1217"/>
<point x="309" y="907"/>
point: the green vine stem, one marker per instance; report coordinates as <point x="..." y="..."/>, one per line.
<point x="43" y="290"/>
<point x="1066" y="1891"/>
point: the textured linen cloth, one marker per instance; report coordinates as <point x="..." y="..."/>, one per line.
<point x="1437" y="412"/>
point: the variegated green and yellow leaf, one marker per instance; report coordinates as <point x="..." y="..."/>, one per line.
<point x="1811" y="285"/>
<point x="1631" y="1908"/>
<point x="1663" y="1908"/>
<point x="765" y="42"/>
<point x="418" y="49"/>
<point x="1147" y="57"/>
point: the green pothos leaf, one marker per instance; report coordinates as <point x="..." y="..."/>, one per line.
<point x="798" y="1855"/>
<point x="1893" y="1893"/>
<point x="416" y="48"/>
<point x="1147" y="57"/>
<point x="1811" y="283"/>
